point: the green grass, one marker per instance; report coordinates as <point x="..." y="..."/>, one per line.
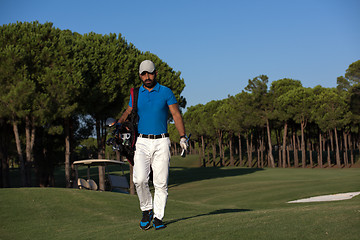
<point x="203" y="203"/>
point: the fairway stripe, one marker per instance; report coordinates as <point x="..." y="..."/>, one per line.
<point x="327" y="198"/>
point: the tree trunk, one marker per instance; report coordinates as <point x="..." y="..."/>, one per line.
<point x="310" y="154"/>
<point x="320" y="151"/>
<point x="328" y="155"/>
<point x="223" y="153"/>
<point x="249" y="158"/>
<point x="67" y="153"/>
<point x="220" y="145"/>
<point x="271" y="157"/>
<point x="101" y="152"/>
<point x="258" y="155"/>
<point x="203" y="151"/>
<point x="231" y="150"/>
<point x="284" y="145"/>
<point x="20" y="155"/>
<point x="278" y="137"/>
<point x="351" y="149"/>
<point x="240" y="150"/>
<point x="175" y="149"/>
<point x="338" y="163"/>
<point x="44" y="167"/>
<point x="207" y="156"/>
<point x="214" y="153"/>
<point x="280" y="164"/>
<point x="4" y="164"/>
<point x="303" y="150"/>
<point x="251" y="148"/>
<point x="288" y="156"/>
<point x="346" y="160"/>
<point x="296" y="158"/>
<point x="262" y="149"/>
<point x="331" y="141"/>
<point x="4" y="156"/>
<point x="30" y="140"/>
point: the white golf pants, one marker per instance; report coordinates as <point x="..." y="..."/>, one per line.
<point x="154" y="153"/>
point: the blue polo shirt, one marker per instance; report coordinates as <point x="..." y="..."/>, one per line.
<point x="153" y="108"/>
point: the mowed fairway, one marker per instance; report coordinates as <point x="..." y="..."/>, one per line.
<point x="204" y="203"/>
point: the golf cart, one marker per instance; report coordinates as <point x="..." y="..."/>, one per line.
<point x="113" y="183"/>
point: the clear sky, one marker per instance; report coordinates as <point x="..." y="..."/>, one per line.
<point x="218" y="45"/>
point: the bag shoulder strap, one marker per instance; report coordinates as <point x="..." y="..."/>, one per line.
<point x="134" y="97"/>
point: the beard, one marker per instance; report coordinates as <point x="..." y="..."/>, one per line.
<point x="149" y="83"/>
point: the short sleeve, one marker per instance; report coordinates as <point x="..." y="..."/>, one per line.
<point x="171" y="99"/>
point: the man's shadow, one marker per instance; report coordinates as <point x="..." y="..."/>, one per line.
<point x="220" y="211"/>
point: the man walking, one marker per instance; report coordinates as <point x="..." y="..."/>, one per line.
<point x="153" y="144"/>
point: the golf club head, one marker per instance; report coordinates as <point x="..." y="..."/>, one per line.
<point x="110" y="122"/>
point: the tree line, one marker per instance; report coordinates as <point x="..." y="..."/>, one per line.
<point x="281" y="125"/>
<point x="55" y="86"/>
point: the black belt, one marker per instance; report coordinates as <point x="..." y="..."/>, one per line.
<point x="150" y="136"/>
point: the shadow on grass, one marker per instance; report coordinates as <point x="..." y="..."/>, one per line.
<point x="216" y="212"/>
<point x="180" y="176"/>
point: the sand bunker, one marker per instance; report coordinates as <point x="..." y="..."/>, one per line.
<point x="327" y="198"/>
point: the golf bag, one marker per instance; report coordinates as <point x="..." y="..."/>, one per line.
<point x="125" y="134"/>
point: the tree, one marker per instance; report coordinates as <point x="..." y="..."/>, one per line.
<point x="277" y="89"/>
<point x="262" y="107"/>
<point x="209" y="126"/>
<point x="248" y="115"/>
<point x="224" y="121"/>
<point x="349" y="86"/>
<point x="299" y="102"/>
<point x="193" y="124"/>
<point x="19" y="89"/>
<point x="351" y="78"/>
<point x="100" y="61"/>
<point x="62" y="84"/>
<point x="329" y="111"/>
<point x="242" y="111"/>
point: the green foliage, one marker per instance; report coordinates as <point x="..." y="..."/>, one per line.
<point x="174" y="134"/>
<point x="349" y="86"/>
<point x="329" y="109"/>
<point x="209" y="118"/>
<point x="351" y="78"/>
<point x="287" y="105"/>
<point x="298" y="103"/>
<point x="279" y="88"/>
<point x="87" y="149"/>
<point x="53" y="74"/>
<point x="49" y="75"/>
<point x="192" y="120"/>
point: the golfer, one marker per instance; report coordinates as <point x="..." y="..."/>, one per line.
<point x="153" y="144"/>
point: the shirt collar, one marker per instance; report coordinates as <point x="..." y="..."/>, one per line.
<point x="156" y="88"/>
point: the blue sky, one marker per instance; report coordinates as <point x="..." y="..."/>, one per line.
<point x="218" y="45"/>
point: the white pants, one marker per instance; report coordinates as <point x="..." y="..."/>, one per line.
<point x="154" y="153"/>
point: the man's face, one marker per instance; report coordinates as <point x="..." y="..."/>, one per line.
<point x="149" y="79"/>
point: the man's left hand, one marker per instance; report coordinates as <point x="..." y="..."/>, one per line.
<point x="184" y="143"/>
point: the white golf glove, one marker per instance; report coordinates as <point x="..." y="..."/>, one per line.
<point x="184" y="143"/>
